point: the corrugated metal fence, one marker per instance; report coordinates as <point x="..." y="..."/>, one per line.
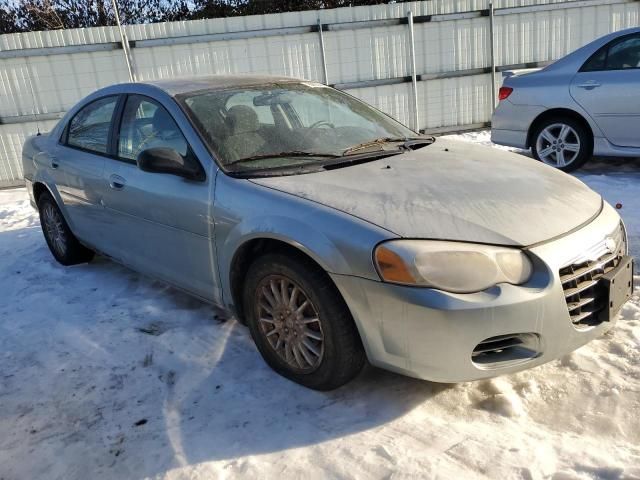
<point x="366" y="50"/>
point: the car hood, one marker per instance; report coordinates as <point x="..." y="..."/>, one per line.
<point x="453" y="190"/>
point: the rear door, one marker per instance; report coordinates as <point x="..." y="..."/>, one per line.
<point x="161" y="223"/>
<point x="77" y="166"/>
<point x="608" y="88"/>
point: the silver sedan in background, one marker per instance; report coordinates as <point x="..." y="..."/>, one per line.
<point x="333" y="231"/>
<point x="587" y="103"/>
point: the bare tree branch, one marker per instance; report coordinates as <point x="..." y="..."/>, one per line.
<point x="30" y="15"/>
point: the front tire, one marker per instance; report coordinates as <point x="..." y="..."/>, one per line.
<point x="300" y="323"/>
<point x="562" y="143"/>
<point x="63" y="244"/>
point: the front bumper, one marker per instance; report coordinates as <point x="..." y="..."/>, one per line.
<point x="431" y="334"/>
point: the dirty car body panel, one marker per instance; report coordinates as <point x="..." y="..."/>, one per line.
<point x="188" y="232"/>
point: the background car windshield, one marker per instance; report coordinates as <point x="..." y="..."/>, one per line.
<point x="268" y="120"/>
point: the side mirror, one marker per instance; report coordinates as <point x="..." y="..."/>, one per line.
<point x="167" y="160"/>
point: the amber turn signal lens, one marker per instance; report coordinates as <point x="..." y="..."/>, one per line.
<point x="392" y="267"/>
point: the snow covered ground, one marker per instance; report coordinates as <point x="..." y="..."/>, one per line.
<point x="106" y="374"/>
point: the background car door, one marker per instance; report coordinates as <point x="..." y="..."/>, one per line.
<point x="608" y="88"/>
<point x="77" y="165"/>
<point x="160" y="222"/>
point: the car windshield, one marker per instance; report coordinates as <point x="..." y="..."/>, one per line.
<point x="289" y="125"/>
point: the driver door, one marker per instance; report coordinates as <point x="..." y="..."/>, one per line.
<point x="161" y="222"/>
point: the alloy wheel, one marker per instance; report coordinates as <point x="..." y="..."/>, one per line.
<point x="54" y="229"/>
<point x="558" y="145"/>
<point x="290" y="323"/>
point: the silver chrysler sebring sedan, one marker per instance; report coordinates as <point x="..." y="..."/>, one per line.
<point x="585" y="103"/>
<point x="334" y="232"/>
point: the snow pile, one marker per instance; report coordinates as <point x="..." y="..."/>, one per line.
<point x="483" y="137"/>
<point x="106" y="374"/>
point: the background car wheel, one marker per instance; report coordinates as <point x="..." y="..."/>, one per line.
<point x="562" y="143"/>
<point x="300" y="323"/>
<point x="64" y="246"/>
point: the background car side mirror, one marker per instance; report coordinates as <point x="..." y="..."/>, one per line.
<point x="167" y="160"/>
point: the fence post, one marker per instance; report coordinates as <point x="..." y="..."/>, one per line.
<point x="493" y="58"/>
<point x="414" y="79"/>
<point x="125" y="42"/>
<point x="323" y="53"/>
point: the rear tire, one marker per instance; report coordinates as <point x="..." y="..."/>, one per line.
<point x="63" y="244"/>
<point x="300" y="322"/>
<point x="562" y="143"/>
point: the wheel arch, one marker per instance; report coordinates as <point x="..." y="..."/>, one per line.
<point x="555" y="113"/>
<point x="40" y="186"/>
<point x="38" y="189"/>
<point x="254" y="248"/>
<point x="257" y="234"/>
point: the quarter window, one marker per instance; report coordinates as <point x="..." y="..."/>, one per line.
<point x="146" y="124"/>
<point x="89" y="128"/>
<point x="620" y="54"/>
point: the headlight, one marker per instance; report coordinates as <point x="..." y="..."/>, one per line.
<point x="452" y="266"/>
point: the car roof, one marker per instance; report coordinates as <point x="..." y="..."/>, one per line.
<point x="183" y="85"/>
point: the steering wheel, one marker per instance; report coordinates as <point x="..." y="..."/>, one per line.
<point x="321" y="123"/>
<point x="313" y="126"/>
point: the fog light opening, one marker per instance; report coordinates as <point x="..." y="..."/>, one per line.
<point x="505" y="350"/>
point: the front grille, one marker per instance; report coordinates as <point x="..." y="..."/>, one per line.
<point x="584" y="292"/>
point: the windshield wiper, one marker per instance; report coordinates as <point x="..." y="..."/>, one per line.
<point x="348" y="160"/>
<point x="407" y="142"/>
<point x="293" y="153"/>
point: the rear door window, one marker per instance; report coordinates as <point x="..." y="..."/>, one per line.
<point x="625" y="54"/>
<point x="89" y="128"/>
<point x="620" y="54"/>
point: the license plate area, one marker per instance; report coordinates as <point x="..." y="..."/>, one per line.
<point x="618" y="286"/>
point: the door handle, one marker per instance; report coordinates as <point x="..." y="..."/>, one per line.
<point x="117" y="182"/>
<point x="589" y="85"/>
